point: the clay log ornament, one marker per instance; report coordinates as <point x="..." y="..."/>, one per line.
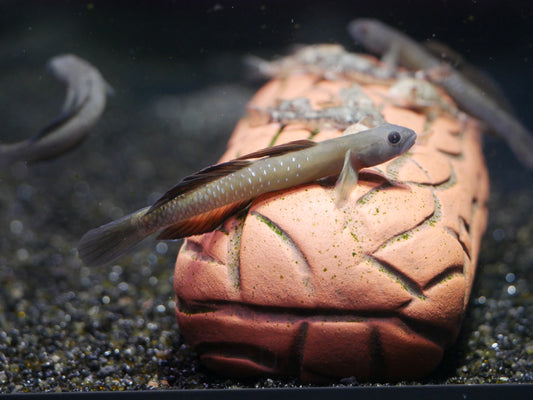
<point x="375" y="289"/>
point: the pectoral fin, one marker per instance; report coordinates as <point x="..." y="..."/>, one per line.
<point x="347" y="180"/>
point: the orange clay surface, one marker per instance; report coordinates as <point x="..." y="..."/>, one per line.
<point x="376" y="289"/>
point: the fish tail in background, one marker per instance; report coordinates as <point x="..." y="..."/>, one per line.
<point x="474" y="101"/>
<point x="84" y="104"/>
<point x="5" y="157"/>
<point x="102" y="245"/>
<point x="519" y="139"/>
<point x="380" y="38"/>
<point x="12" y="152"/>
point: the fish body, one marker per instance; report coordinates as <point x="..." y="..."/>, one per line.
<point x="355" y="97"/>
<point x="84" y="104"/>
<point x="300" y="111"/>
<point x="331" y="61"/>
<point x="475" y="75"/>
<point x="339" y="117"/>
<point x="201" y="202"/>
<point x="419" y="94"/>
<point x="381" y="38"/>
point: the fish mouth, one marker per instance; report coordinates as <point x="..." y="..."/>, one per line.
<point x="409" y="142"/>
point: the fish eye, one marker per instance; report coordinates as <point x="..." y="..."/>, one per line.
<point x="394" y="137"/>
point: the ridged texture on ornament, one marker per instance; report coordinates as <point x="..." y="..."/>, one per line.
<point x="375" y="289"/>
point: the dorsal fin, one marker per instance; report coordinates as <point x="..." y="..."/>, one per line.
<point x="279" y="149"/>
<point x="202" y="223"/>
<point x="216" y="171"/>
<point x="200" y="178"/>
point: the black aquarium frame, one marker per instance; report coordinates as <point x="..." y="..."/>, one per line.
<point x="430" y="392"/>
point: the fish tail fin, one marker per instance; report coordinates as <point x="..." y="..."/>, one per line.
<point x="104" y="244"/>
<point x="520" y="140"/>
<point x="5" y="157"/>
<point x="10" y="153"/>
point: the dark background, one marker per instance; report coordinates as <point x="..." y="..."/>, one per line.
<point x="180" y="86"/>
<point x="149" y="48"/>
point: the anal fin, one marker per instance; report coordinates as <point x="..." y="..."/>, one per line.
<point x="202" y="223"/>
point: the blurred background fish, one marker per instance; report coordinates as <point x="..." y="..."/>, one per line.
<point x="84" y="104"/>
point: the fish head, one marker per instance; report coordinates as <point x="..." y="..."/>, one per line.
<point x="68" y="67"/>
<point x="367" y="32"/>
<point x="383" y="144"/>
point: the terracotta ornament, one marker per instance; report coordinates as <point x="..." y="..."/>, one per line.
<point x="374" y="288"/>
